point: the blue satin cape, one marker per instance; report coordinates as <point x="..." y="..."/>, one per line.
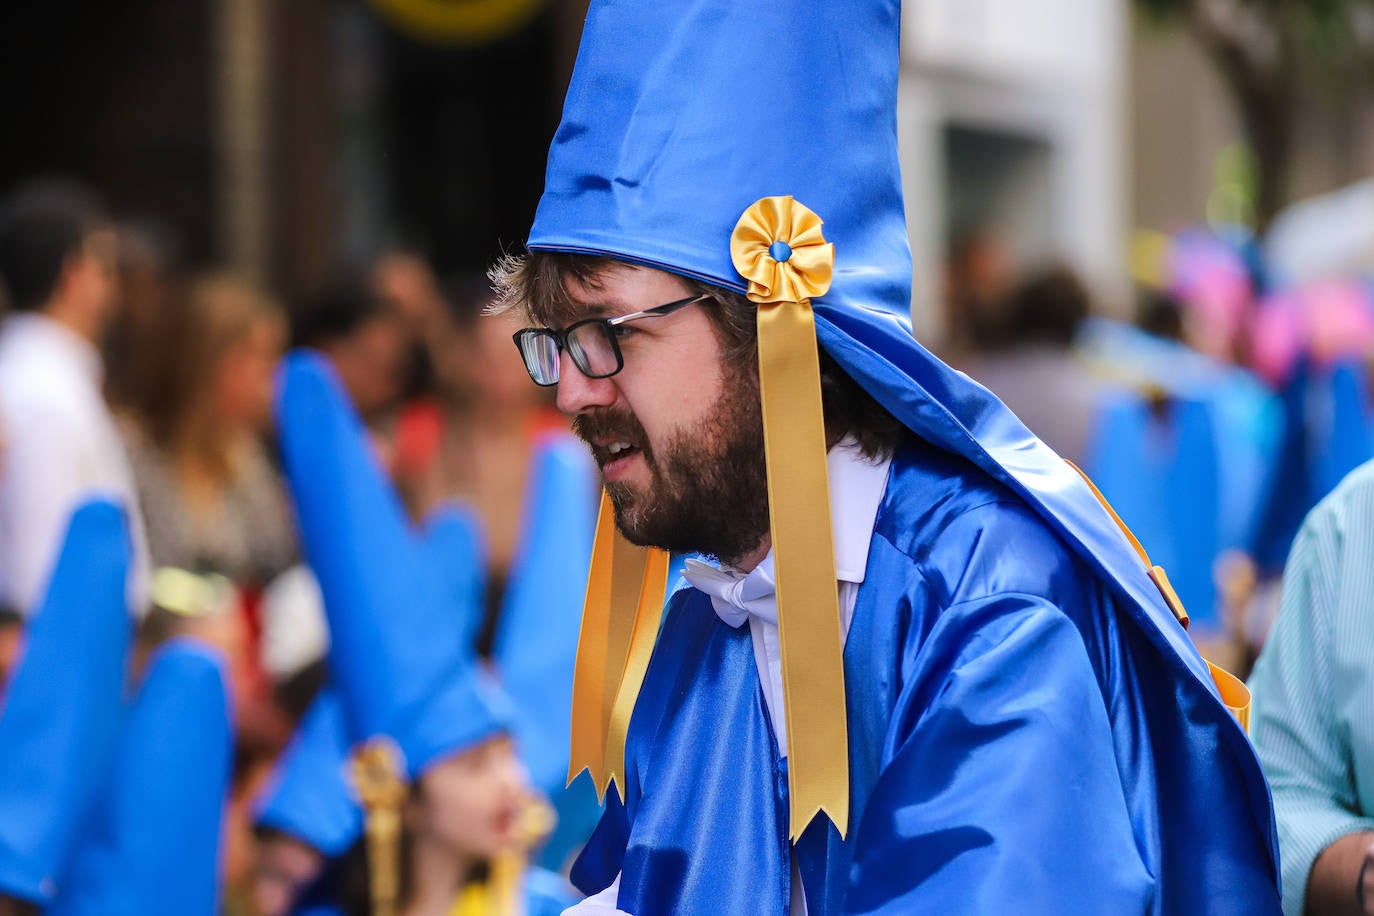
<point x="1014" y="740"/>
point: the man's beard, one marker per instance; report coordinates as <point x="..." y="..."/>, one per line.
<point x="708" y="490"/>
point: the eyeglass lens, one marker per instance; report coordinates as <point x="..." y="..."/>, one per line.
<point x="590" y="345"/>
<point x="539" y="349"/>
<point x="593" y="349"/>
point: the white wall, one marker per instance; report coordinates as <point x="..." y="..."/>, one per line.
<point x="1051" y="71"/>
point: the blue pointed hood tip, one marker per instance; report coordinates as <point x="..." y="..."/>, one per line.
<point x="167" y="789"/>
<point x="400" y="603"/>
<point x="307" y="796"/>
<point x="60" y="715"/>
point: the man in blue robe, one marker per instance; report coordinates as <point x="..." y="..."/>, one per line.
<point x="1024" y="725"/>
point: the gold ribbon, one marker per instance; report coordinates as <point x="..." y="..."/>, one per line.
<point x="778" y="247"/>
<point x="625" y="594"/>
<point x="647" y="619"/>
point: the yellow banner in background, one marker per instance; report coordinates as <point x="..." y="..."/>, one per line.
<point x="459" y="22"/>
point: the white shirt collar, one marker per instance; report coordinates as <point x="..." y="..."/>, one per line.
<point x="857" y="485"/>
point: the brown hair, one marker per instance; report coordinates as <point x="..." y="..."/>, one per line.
<point x="537" y="284"/>
<point x="220" y="311"/>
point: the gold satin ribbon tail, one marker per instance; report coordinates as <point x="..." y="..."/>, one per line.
<point x="804" y="567"/>
<point x="625" y="593"/>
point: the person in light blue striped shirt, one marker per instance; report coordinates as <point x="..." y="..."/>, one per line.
<point x="1313" y="714"/>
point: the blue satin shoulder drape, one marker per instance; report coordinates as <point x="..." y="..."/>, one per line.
<point x="1013" y="742"/>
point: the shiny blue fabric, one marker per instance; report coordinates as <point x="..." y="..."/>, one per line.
<point x="152" y="846"/>
<point x="1014" y="741"/>
<point x="683" y="113"/>
<point x="1247" y="417"/>
<point x="59" y="714"/>
<point x="307" y="796"/>
<point x="1327" y="434"/>
<point x="680" y="115"/>
<point x="398" y="619"/>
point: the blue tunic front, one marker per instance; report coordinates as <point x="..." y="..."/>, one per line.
<point x="1015" y="741"/>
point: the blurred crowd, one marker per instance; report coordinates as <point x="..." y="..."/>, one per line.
<point x="126" y="372"/>
<point x="1213" y="421"/>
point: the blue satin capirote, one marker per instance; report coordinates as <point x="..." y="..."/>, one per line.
<point x="682" y="113"/>
<point x="307" y="796"/>
<point x="152" y="846"/>
<point x="398" y="617"/>
<point x="1015" y="741"/>
<point x="59" y="714"/>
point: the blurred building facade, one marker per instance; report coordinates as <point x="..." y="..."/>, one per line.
<point x="284" y="138"/>
<point x="1012" y="121"/>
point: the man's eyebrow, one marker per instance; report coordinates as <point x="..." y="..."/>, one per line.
<point x="580" y="311"/>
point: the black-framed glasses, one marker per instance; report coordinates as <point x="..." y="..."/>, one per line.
<point x="593" y="344"/>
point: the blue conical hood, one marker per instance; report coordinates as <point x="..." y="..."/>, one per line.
<point x="153" y="845"/>
<point x="308" y="797"/>
<point x="683" y="113"/>
<point x="60" y="713"/>
<point x="399" y="623"/>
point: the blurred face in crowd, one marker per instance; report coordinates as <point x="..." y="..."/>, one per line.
<point x="485" y="354"/>
<point x="407" y="283"/>
<point x="243" y="382"/>
<point x="371" y="362"/>
<point x="678" y="432"/>
<point x="87" y="292"/>
<point x="284" y="868"/>
<point x="469" y="803"/>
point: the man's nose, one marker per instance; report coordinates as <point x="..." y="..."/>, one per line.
<point x="577" y="393"/>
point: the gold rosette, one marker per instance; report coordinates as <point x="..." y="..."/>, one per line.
<point x="779" y="248"/>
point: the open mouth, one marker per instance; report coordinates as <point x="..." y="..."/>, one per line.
<point x="615" y="456"/>
<point x="616" y="440"/>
